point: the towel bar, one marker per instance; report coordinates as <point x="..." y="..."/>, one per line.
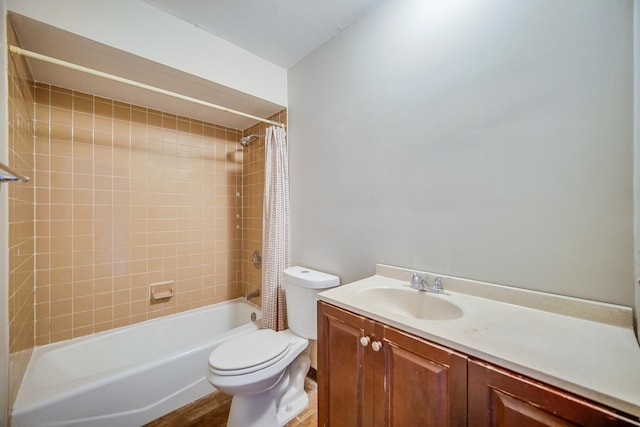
<point x="15" y="176"/>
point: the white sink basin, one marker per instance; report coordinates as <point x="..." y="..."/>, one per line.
<point x="411" y="303"/>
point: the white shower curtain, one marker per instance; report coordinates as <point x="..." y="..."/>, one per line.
<point x="275" y="229"/>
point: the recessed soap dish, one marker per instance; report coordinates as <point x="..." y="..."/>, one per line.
<point x="162" y="290"/>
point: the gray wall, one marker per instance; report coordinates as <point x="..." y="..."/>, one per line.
<point x="488" y="139"/>
<point x="636" y="145"/>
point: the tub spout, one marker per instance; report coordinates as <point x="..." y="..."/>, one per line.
<point x="253" y="294"/>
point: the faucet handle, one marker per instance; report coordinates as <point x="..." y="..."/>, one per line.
<point x="416" y="279"/>
<point x="437" y="285"/>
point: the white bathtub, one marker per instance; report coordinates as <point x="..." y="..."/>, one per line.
<point x="127" y="376"/>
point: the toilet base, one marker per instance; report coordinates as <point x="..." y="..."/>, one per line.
<point x="260" y="410"/>
<point x="292" y="409"/>
<point x="252" y="410"/>
<point x="277" y="406"/>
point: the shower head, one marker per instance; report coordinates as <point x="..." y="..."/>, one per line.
<point x="244" y="141"/>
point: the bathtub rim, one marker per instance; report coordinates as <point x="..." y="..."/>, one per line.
<point x="160" y="319"/>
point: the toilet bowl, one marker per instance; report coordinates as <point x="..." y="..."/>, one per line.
<point x="264" y="370"/>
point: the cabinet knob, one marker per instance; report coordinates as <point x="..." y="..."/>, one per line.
<point x="365" y="341"/>
<point x="376" y="345"/>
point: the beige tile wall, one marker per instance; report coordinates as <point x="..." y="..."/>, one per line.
<point x="21" y="221"/>
<point x="126" y="196"/>
<point x="252" y="200"/>
<point x="122" y="196"/>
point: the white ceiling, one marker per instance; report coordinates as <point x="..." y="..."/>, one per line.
<point x="280" y="31"/>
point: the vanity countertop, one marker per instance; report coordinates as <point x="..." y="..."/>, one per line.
<point x="584" y="347"/>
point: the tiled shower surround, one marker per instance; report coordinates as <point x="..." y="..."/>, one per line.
<point x="127" y="196"/>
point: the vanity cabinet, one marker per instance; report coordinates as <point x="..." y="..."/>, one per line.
<point x="371" y="374"/>
<point x="501" y="398"/>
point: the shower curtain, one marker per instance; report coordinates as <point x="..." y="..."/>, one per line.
<point x="275" y="229"/>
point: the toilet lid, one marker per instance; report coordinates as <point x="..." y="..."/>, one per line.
<point x="249" y="352"/>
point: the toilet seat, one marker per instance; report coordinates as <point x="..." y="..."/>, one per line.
<point x="249" y="353"/>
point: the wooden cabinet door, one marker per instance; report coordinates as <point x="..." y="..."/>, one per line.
<point x="501" y="398"/>
<point x="424" y="384"/>
<point x="345" y="396"/>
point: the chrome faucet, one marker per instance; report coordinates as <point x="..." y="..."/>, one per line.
<point x="418" y="282"/>
<point x="422" y="284"/>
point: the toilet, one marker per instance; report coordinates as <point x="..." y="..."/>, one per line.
<point x="264" y="370"/>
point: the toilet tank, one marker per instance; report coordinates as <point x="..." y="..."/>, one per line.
<point x="301" y="286"/>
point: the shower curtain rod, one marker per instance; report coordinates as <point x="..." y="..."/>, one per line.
<point x="19" y="51"/>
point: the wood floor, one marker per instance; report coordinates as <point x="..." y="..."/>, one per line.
<point x="213" y="410"/>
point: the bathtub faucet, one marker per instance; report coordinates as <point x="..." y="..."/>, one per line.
<point x="253" y="294"/>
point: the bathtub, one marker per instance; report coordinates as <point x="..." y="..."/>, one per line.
<point x="127" y="376"/>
